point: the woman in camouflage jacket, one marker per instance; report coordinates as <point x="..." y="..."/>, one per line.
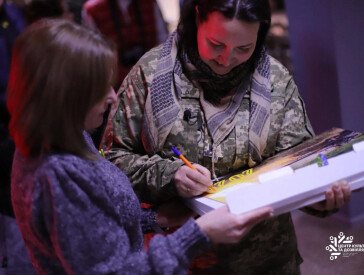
<point x="213" y="92"/>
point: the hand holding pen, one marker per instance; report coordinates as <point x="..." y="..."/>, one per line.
<point x="191" y="180"/>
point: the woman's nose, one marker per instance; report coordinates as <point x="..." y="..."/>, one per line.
<point x="226" y="58"/>
<point x="111" y="96"/>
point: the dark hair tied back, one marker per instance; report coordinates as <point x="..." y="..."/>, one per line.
<point x="245" y="10"/>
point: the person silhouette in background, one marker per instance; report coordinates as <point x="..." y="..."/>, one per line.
<point x="135" y="26"/>
<point x="75" y="7"/>
<point x="13" y="255"/>
<point x="11" y="24"/>
<point x="38" y="9"/>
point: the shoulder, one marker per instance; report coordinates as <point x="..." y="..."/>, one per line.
<point x="63" y="168"/>
<point x="141" y="75"/>
<point x="281" y="80"/>
<point x="38" y="168"/>
<point x="51" y="170"/>
<point x="278" y="71"/>
<point x="69" y="175"/>
<point x="76" y="170"/>
<point x="148" y="62"/>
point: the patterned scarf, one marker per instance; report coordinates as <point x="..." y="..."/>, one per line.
<point x="162" y="103"/>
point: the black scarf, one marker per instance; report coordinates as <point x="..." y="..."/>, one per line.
<point x="215" y="86"/>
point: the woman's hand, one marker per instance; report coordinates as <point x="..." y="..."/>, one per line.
<point x="190" y="183"/>
<point x="173" y="213"/>
<point x="336" y="197"/>
<point x="224" y="227"/>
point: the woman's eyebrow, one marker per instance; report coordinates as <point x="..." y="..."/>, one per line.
<point x="213" y="40"/>
<point x="246" y="46"/>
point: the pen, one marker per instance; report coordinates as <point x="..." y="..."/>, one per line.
<point x="182" y="157"/>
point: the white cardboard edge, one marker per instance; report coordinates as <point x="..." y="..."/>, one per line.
<point x="288" y="207"/>
<point x="358" y="146"/>
<point x="203" y="205"/>
<point x="275" y="174"/>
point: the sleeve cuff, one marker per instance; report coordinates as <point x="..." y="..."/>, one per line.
<point x="191" y="240"/>
<point x="148" y="220"/>
<point x="169" y="188"/>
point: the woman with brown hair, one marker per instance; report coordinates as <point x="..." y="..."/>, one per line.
<point x="76" y="211"/>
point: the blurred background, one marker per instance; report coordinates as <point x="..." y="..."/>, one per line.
<point x="320" y="43"/>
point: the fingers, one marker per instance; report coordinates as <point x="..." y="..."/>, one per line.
<point x="346" y="191"/>
<point x="243" y="223"/>
<point x="330" y="200"/>
<point x="190" y="182"/>
<point x="203" y="170"/>
<point x="201" y="176"/>
<point x="342" y="193"/>
<point x="338" y="195"/>
<point x="224" y="227"/>
<point x="193" y="188"/>
<point x="252" y="218"/>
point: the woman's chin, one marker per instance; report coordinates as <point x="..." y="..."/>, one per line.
<point x="93" y="126"/>
<point x="222" y="71"/>
<point x="219" y="69"/>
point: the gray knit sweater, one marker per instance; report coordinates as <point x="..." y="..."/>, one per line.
<point x="82" y="217"/>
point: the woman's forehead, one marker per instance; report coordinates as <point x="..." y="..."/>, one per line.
<point x="222" y="29"/>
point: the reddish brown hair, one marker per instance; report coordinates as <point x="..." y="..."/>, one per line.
<point x="59" y="70"/>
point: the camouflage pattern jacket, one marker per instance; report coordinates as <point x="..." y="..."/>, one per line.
<point x="271" y="247"/>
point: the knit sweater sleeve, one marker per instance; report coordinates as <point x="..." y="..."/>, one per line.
<point x="87" y="239"/>
<point x="148" y="220"/>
